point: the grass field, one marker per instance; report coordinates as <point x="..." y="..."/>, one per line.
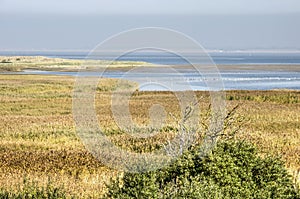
<point x="38" y="141"/>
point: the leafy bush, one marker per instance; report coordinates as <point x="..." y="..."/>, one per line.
<point x="232" y="170"/>
<point x="32" y="191"/>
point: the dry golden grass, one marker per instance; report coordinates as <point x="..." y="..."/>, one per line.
<point x="38" y="138"/>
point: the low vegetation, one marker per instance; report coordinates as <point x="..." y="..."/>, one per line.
<point x="232" y="170"/>
<point x="31" y="190"/>
<point x="38" y="141"/>
<point x="19" y="63"/>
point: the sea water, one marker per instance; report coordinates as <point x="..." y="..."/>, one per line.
<point x="183" y="79"/>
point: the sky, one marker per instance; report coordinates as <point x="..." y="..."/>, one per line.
<point x="215" y="24"/>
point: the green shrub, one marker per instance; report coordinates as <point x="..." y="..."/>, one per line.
<point x="232" y="170"/>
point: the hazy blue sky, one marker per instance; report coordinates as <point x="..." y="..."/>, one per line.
<point x="216" y="24"/>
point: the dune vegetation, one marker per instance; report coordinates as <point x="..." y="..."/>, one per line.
<point x="39" y="147"/>
<point x="19" y="63"/>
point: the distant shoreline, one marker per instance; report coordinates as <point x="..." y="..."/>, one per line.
<point x="167" y="58"/>
<point x="20" y="63"/>
<point x="263" y="67"/>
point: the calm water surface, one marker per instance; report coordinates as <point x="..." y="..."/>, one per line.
<point x="188" y="79"/>
<point x="182" y="79"/>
